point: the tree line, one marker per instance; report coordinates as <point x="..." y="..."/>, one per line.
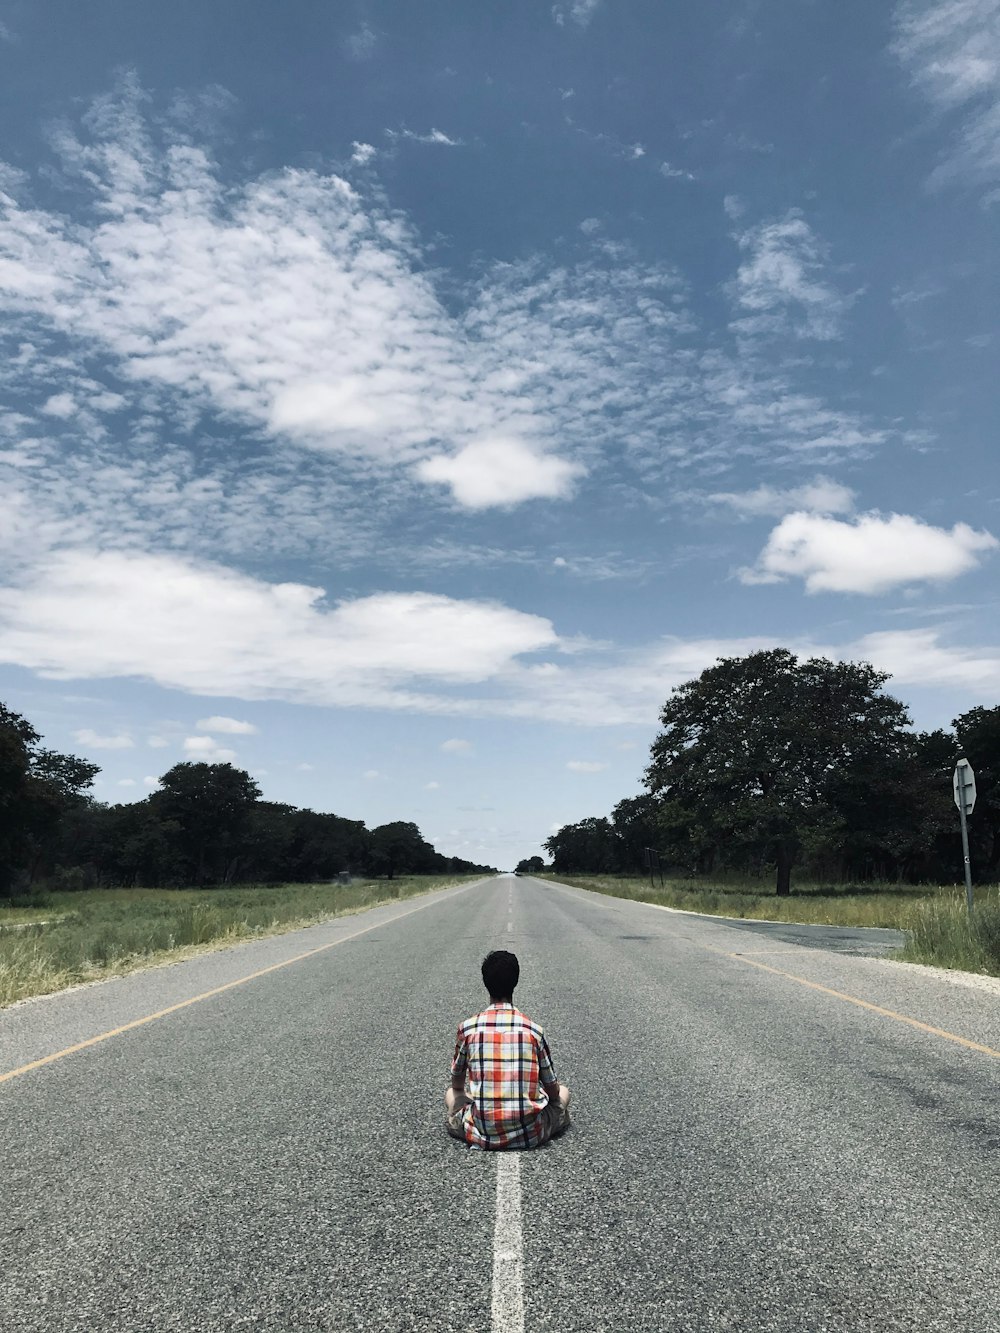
<point x="206" y="824"/>
<point x="766" y="764"/>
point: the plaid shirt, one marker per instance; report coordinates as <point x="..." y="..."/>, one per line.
<point x="505" y="1060"/>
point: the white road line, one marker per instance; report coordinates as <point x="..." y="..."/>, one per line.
<point x="508" y="1263"/>
<point x="510" y="927"/>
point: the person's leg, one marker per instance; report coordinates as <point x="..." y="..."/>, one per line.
<point x="561" y="1117"/>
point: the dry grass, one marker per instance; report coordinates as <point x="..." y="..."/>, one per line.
<point x="65" y="939"/>
<point x="818" y="904"/>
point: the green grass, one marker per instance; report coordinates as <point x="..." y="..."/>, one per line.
<point x="941" y="933"/>
<point x="62" y="939"/>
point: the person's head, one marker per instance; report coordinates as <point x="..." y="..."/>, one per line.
<point x="501" y="971"/>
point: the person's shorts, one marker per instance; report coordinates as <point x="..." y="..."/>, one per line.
<point x="555" y="1118"/>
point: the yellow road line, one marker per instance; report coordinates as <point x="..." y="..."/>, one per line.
<point x="867" y="1004"/>
<point x="207" y="995"/>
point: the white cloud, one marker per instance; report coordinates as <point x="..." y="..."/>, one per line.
<point x="675" y="173"/>
<point x="918" y="657"/>
<point x="951" y="49"/>
<point x="872" y="554"/>
<point x="432" y="137"/>
<point x="211" y="631"/>
<point x="119" y="741"/>
<point x="371" y="774"/>
<point x="61" y="405"/>
<point x="157" y="742"/>
<point x="780" y="286"/>
<point x="361" y="45"/>
<point x="456" y="746"/>
<point x="304" y="310"/>
<point x="207" y="750"/>
<point x="305" y="768"/>
<point x="585" y="766"/>
<point x="823" y="496"/>
<point x="579" y="11"/>
<point x="501" y="471"/>
<point x="150" y="781"/>
<point x="362" y="153"/>
<point x="229" y="726"/>
<point x="432" y="786"/>
<point x="126" y="782"/>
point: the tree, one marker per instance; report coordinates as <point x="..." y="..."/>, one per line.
<point x="531" y="865"/>
<point x="37" y="787"/>
<point x="759" y="752"/>
<point x="210" y="805"/>
<point x="589" y="845"/>
<point x="636" y="822"/>
<point x="399" y="849"/>
<point x="978" y="736"/>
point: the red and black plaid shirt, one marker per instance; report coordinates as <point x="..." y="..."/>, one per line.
<point x="505" y="1059"/>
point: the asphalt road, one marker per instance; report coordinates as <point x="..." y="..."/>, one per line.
<point x="750" y="1149"/>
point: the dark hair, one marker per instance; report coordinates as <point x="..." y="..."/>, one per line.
<point x="501" y="971"/>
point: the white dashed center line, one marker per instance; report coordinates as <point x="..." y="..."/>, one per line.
<point x="508" y="1262"/>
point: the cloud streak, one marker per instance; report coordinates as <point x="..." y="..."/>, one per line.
<point x="951" y="51"/>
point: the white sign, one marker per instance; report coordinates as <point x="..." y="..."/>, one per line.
<point x="964" y="783"/>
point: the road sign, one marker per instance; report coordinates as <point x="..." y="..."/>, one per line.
<point x="964" y="783"/>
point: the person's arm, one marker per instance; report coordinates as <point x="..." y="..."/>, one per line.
<point x="459" y="1065"/>
<point x="546" y="1072"/>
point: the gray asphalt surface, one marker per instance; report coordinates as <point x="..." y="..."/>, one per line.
<point x="747" y="1152"/>
<point x="866" y="941"/>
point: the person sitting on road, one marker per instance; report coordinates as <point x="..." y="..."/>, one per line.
<point x="504" y="1092"/>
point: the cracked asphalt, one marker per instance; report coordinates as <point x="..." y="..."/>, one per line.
<point x="748" y="1152"/>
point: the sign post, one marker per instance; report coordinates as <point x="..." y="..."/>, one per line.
<point x="964" y="783"/>
<point x="651" y="859"/>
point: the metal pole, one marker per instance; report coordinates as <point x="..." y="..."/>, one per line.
<point x="965" y="840"/>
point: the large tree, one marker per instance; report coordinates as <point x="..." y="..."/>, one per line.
<point x="760" y="752"/>
<point x="210" y="804"/>
<point x="399" y="849"/>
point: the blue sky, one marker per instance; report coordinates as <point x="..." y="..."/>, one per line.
<point x="399" y="399"/>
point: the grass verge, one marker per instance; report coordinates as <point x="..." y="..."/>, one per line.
<point x="69" y="938"/>
<point x="941" y="933"/>
<point x="816" y="904"/>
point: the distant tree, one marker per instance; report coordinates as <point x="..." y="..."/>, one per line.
<point x="399" y="849"/>
<point x="531" y="865"/>
<point x="210" y="806"/>
<point x="760" y="752"/>
<point x="587" y="847"/>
